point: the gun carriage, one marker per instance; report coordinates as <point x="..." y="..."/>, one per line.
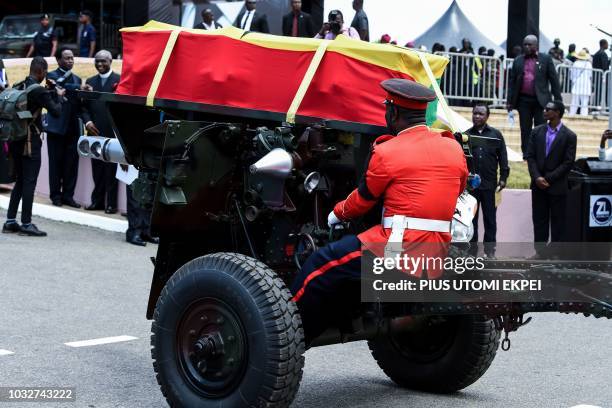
<point x="239" y="183"/>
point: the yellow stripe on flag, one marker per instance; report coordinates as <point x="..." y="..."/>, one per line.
<point x="162" y="65"/>
<point x="301" y="92"/>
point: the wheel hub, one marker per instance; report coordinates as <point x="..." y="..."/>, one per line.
<point x="212" y="347"/>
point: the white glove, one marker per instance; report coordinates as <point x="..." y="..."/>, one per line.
<point x="332" y="219"/>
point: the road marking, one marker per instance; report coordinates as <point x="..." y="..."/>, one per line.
<point x="103" y="340"/>
<point x="585" y="406"/>
<point x="5" y="352"/>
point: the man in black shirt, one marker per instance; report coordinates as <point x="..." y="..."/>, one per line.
<point x="489" y="154"/>
<point x="601" y="61"/>
<point x="556" y="52"/>
<point x="44" y="43"/>
<point x="26" y="153"/>
<point x="360" y="21"/>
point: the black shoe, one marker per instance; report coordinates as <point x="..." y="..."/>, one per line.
<point x="110" y="210"/>
<point x="56" y="203"/>
<point x="136" y="240"/>
<point x="124" y="214"/>
<point x="31" y="231"/>
<point x="94" y="207"/>
<point x="11" y="227"/>
<point x="149" y="238"/>
<point x="71" y="203"/>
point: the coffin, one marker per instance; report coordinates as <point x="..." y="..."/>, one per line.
<point x="296" y="79"/>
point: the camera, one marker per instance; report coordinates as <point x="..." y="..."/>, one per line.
<point x="335" y="27"/>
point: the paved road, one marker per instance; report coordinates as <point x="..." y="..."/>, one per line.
<point x="81" y="283"/>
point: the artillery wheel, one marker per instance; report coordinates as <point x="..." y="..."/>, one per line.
<point x="443" y="354"/>
<point x="224" y="333"/>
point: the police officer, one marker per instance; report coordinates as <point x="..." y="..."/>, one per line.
<point x="44" y="43"/>
<point x="486" y="162"/>
<point x="26" y="153"/>
<point x="417" y="173"/>
<point x="87" y="35"/>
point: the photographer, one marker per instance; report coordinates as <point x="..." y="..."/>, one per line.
<point x="335" y="26"/>
<point x="26" y="153"/>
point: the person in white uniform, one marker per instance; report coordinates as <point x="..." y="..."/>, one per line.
<point x="582" y="83"/>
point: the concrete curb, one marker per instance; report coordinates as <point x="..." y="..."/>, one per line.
<point x="76" y="217"/>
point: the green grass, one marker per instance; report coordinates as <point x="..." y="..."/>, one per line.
<point x="18" y="73"/>
<point x="519" y="175"/>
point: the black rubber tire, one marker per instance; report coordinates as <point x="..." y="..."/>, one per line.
<point x="467" y="350"/>
<point x="273" y="328"/>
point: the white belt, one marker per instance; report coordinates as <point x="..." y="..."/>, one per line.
<point x="399" y="223"/>
<point x="423" y="224"/>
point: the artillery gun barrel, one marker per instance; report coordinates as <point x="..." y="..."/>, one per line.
<point x="101" y="148"/>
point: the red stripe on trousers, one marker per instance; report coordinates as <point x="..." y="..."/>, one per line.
<point x="318" y="272"/>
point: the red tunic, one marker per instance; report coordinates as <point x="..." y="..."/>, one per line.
<point x="419" y="173"/>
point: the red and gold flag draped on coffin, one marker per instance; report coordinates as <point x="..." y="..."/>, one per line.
<point x="229" y="67"/>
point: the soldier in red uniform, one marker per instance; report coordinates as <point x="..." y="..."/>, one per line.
<point x="418" y="173"/>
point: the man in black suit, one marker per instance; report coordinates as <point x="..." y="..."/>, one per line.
<point x="97" y="122"/>
<point x="63" y="133"/>
<point x="550" y="157"/>
<point x="250" y="20"/>
<point x="532" y="79"/>
<point x="297" y="23"/>
<point x="208" y="21"/>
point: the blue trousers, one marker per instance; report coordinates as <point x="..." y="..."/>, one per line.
<point x="327" y="288"/>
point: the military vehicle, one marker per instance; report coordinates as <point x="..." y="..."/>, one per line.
<point x="18" y="30"/>
<point x="239" y="197"/>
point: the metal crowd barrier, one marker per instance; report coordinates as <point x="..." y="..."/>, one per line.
<point x="584" y="81"/>
<point x="471" y="78"/>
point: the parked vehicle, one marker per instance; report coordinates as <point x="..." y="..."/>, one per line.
<point x="17" y="32"/>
